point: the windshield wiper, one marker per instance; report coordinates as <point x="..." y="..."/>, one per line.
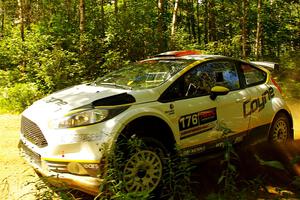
<point x="117" y="85"/>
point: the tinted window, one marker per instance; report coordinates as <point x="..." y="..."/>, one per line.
<point x="253" y="76"/>
<point x="199" y="80"/>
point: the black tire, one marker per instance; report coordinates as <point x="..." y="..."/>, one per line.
<point x="281" y="130"/>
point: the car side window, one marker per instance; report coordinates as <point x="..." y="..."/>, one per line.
<point x="226" y="75"/>
<point x="253" y="76"/>
<point x="208" y="75"/>
<point x="199" y="80"/>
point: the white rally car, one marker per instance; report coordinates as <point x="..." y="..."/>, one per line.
<point x="180" y="98"/>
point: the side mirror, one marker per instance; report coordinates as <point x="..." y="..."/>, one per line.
<point x="217" y="91"/>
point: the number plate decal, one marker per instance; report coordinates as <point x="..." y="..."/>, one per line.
<point x="196" y="123"/>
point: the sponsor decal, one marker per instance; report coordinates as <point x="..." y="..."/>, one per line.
<point x="196" y="123"/>
<point x="217" y="144"/>
<point x="171" y="111"/>
<point x="258" y="104"/>
<point x="90" y="166"/>
<point x="56" y="101"/>
<point x="193" y="150"/>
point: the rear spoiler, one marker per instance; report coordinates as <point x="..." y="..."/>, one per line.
<point x="272" y="66"/>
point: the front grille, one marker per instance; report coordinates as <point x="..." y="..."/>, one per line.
<point x="32" y="132"/>
<point x="32" y="156"/>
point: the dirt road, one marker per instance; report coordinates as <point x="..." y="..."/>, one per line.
<point x="15" y="175"/>
<point x="18" y="180"/>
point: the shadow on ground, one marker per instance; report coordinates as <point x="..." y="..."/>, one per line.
<point x="264" y="171"/>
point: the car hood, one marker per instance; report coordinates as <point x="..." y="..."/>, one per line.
<point x="89" y="95"/>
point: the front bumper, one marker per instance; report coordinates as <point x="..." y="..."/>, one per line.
<point x="87" y="184"/>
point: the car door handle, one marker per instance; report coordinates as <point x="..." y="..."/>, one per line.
<point x="242" y="100"/>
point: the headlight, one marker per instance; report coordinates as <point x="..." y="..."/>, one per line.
<point x="81" y="118"/>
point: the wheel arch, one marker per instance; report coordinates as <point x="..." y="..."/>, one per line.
<point x="289" y="116"/>
<point x="150" y="126"/>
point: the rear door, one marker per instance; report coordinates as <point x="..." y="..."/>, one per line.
<point x="259" y="107"/>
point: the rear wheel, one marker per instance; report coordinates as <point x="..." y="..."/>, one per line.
<point x="280" y="131"/>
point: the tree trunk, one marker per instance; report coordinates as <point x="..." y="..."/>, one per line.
<point x="245" y="5"/>
<point x="174" y="18"/>
<point x="68" y="8"/>
<point x="27" y="13"/>
<point x="258" y="31"/>
<point x="116" y="7"/>
<point x="211" y="21"/>
<point x="2" y="15"/>
<point x="161" y="25"/>
<point x="82" y="24"/>
<point x="21" y="18"/>
<point x="124" y="5"/>
<point x="192" y="18"/>
<point x="205" y="21"/>
<point x="103" y="25"/>
<point x="198" y="23"/>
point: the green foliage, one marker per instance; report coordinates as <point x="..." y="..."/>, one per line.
<point x="113" y="60"/>
<point x="113" y="185"/>
<point x="175" y="182"/>
<point x="289" y="82"/>
<point x="177" y="179"/>
<point x="295" y="160"/>
<point x="51" y="56"/>
<point x="133" y="32"/>
<point x="18" y="97"/>
<point x="229" y="174"/>
<point x="272" y="163"/>
<point x="55" y="69"/>
<point x="44" y="190"/>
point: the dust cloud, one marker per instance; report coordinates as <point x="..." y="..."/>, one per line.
<point x="295" y="108"/>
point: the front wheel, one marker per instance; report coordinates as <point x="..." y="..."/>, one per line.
<point x="143" y="171"/>
<point x="280" y="131"/>
<point x="144" y="167"/>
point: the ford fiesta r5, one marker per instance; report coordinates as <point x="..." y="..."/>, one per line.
<point x="180" y="98"/>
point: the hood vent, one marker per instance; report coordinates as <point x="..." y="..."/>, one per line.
<point x="119" y="99"/>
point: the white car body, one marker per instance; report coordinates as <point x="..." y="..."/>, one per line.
<point x="73" y="155"/>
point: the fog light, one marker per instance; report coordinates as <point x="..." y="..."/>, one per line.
<point x="76" y="168"/>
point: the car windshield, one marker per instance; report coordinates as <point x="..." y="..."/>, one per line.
<point x="142" y="75"/>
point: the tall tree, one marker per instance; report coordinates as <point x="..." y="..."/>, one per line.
<point x="212" y="33"/>
<point x="82" y="24"/>
<point x="2" y="17"/>
<point x="22" y="18"/>
<point x="191" y="19"/>
<point x="116" y="7"/>
<point x="68" y="8"/>
<point x="198" y="22"/>
<point x="161" y="25"/>
<point x="245" y="8"/>
<point x="258" y="40"/>
<point x="174" y="17"/>
<point x="206" y="39"/>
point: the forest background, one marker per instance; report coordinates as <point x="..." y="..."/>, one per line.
<point x="47" y="45"/>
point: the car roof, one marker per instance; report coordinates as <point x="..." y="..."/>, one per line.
<point x="266" y="64"/>
<point x="185" y="55"/>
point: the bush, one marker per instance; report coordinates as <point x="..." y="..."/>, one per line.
<point x="18" y="97"/>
